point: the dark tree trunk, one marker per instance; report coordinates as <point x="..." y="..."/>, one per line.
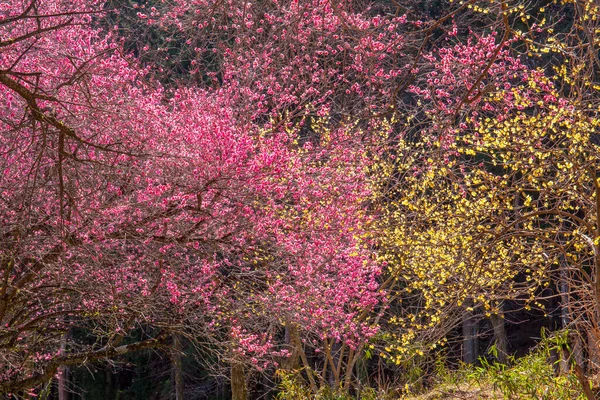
<point x="293" y="361"/>
<point x="470" y="341"/>
<point x="565" y="318"/>
<point x="500" y="338"/>
<point x="334" y="380"/>
<point x="109" y="388"/>
<point x="63" y="372"/>
<point x="177" y="366"/>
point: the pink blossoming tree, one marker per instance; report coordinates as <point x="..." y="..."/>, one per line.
<point x="125" y="208"/>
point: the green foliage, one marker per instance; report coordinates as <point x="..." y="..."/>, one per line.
<point x="291" y="386"/>
<point x="532" y="376"/>
<point x="377" y="394"/>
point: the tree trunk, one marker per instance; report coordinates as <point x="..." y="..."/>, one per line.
<point x="470" y="342"/>
<point x="109" y="388"/>
<point x="63" y="372"/>
<point x="334" y="378"/>
<point x="500" y="338"/>
<point x="577" y="345"/>
<point x="594" y="351"/>
<point x="239" y="389"/>
<point x="177" y="366"/>
<point x="584" y="382"/>
<point x="292" y="362"/>
<point x="565" y="318"/>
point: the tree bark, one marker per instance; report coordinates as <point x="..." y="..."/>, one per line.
<point x="293" y="361"/>
<point x="565" y="317"/>
<point x="500" y="338"/>
<point x="470" y="342"/>
<point x="334" y="377"/>
<point x="577" y="345"/>
<point x="63" y="372"/>
<point x="584" y="382"/>
<point x="177" y="366"/>
<point x="109" y="388"/>
<point x="594" y="352"/>
<point x="239" y="389"/>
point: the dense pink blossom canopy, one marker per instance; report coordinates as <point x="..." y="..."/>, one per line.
<point x="124" y="205"/>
